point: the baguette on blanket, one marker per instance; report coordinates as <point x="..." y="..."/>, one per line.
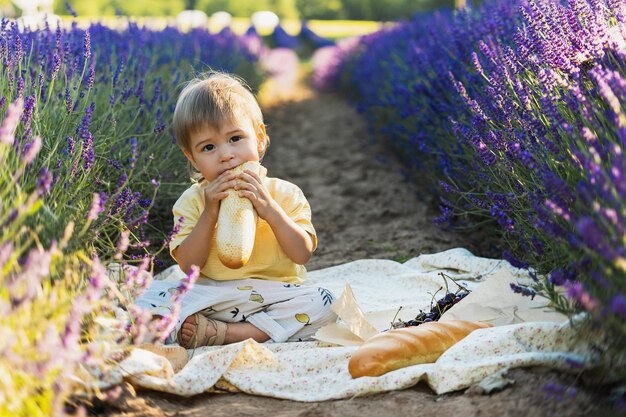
<point x="408" y="346"/>
<point x="236" y="224"/>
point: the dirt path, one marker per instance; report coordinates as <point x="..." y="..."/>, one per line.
<point x="363" y="209"/>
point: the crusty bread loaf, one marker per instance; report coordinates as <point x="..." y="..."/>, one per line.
<point x="399" y="348"/>
<point x="236" y="225"/>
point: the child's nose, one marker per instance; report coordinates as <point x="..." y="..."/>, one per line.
<point x="226" y="155"/>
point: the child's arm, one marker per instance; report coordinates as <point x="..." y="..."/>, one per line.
<point x="293" y="239"/>
<point x="194" y="250"/>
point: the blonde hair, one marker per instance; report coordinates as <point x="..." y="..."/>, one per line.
<point x="211" y="99"/>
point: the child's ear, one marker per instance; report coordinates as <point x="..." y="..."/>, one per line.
<point x="261" y="135"/>
<point x="190" y="158"/>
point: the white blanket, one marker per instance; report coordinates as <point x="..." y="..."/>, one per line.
<point x="526" y="334"/>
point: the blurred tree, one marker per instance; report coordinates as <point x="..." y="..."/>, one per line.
<point x="245" y="8"/>
<point x="356" y="9"/>
<point x="367" y="9"/>
<point x="285" y="9"/>
<point x="212" y="6"/>
<point x="152" y="7"/>
<point x="321" y="9"/>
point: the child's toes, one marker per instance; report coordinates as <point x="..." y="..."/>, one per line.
<point x="188" y="330"/>
<point x="186" y="335"/>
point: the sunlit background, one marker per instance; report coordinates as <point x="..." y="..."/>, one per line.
<point x="287" y="9"/>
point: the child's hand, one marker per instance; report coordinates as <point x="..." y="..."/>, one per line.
<point x="251" y="187"/>
<point x="216" y="190"/>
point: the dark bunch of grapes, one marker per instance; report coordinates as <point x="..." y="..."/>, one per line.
<point x="436" y="308"/>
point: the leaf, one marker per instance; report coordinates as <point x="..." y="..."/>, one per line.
<point x="327" y="296"/>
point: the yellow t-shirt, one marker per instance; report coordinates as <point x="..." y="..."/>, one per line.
<point x="268" y="260"/>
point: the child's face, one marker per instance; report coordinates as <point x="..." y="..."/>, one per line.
<point x="214" y="150"/>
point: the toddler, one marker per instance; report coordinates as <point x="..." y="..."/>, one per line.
<point x="218" y="125"/>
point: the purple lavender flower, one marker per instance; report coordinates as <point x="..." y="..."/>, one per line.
<point x="71" y="145"/>
<point x="87" y="45"/>
<point x="166" y="324"/>
<point x="69" y="8"/>
<point x="187" y="283"/>
<point x="9" y="124"/>
<point x="83" y="129"/>
<point x="576" y="292"/>
<point x="22" y="287"/>
<point x="514" y="261"/>
<point x="98" y="279"/>
<point x="137" y="328"/>
<point x="139" y="93"/>
<point x="160" y="127"/>
<point x="122" y="243"/>
<point x="56" y="66"/>
<point x="31" y="149"/>
<point x="558" y="210"/>
<point x="594" y="237"/>
<point x="178" y="224"/>
<point x="96" y="207"/>
<point x="69" y="106"/>
<point x="70" y="337"/>
<point x="560" y="276"/>
<point x="618" y="305"/>
<point x="19" y="51"/>
<point x="6" y="250"/>
<point x="445" y="217"/>
<point x="501" y="216"/>
<point x="44" y="181"/>
<point x="524" y="290"/>
<point x="138" y="279"/>
<point x="558" y="391"/>
<point x="20" y="86"/>
<point x="91" y="76"/>
<point x="29" y="106"/>
<point x="88" y="155"/>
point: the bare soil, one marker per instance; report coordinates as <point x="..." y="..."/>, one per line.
<point x="363" y="208"/>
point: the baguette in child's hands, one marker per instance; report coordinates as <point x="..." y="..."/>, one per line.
<point x="236" y="223"/>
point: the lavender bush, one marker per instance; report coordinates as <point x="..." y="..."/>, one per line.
<point x="282" y="39"/>
<point x="515" y="114"/>
<point x="84" y="148"/>
<point x="54" y="298"/>
<point x="308" y="35"/>
<point x="102" y="102"/>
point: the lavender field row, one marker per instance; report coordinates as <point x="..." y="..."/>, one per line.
<point x="85" y="148"/>
<point x="515" y="114"/>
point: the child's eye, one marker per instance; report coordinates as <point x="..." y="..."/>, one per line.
<point x="208" y="147"/>
<point x="235" y="139"/>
